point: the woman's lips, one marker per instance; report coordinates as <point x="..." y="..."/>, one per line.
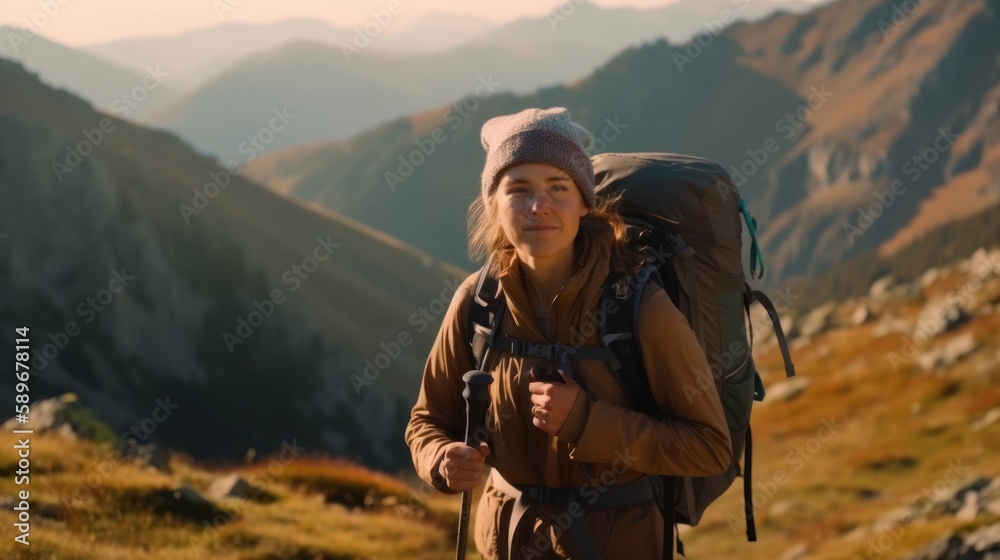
<point x="540" y="228"/>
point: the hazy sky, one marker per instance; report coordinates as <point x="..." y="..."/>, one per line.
<point x="85" y="22"/>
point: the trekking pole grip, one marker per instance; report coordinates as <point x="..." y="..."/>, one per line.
<point x="477" y="395"/>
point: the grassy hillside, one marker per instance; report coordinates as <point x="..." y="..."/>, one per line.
<point x="873" y="435"/>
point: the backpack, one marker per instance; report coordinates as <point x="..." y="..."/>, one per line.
<point x="683" y="213"/>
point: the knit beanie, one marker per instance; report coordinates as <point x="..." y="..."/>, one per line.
<point x="538" y="136"/>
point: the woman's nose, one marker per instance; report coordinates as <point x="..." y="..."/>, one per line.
<point x="540" y="203"/>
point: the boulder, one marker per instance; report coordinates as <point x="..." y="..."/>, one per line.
<point x="235" y="486"/>
<point x="818" y="320"/>
<point x="860" y="315"/>
<point x="880" y="287"/>
<point x="786" y="390"/>
<point x="987" y="420"/>
<point x="66" y="416"/>
<point x="929" y="277"/>
<point x="937" y="317"/>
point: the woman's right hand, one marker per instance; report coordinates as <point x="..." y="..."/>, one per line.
<point x="462" y="466"/>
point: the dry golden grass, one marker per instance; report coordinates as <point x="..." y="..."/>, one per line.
<point x="898" y="434"/>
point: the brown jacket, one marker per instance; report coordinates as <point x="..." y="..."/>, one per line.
<point x="620" y="444"/>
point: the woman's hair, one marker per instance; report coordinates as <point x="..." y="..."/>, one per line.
<point x="487" y="237"/>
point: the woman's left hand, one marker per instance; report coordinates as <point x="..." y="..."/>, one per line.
<point x="552" y="402"/>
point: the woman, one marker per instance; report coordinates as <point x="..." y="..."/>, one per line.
<point x="550" y="242"/>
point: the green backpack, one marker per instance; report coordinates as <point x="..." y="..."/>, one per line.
<point x="684" y="213"/>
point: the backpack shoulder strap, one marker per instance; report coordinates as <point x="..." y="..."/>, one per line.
<point x="619" y="333"/>
<point x="485" y="312"/>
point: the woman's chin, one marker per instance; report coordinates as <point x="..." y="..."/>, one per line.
<point x="540" y="251"/>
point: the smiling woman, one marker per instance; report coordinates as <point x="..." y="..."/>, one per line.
<point x="571" y="461"/>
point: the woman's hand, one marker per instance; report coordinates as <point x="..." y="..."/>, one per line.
<point x="551" y="402"/>
<point x="462" y="466"/>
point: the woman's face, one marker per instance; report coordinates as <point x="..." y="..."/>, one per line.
<point x="540" y="209"/>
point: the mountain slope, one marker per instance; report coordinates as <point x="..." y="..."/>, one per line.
<point x="198" y="319"/>
<point x="842" y="111"/>
<point x="106" y="85"/>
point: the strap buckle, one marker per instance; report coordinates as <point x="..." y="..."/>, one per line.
<point x="539" y="494"/>
<point x="622" y="287"/>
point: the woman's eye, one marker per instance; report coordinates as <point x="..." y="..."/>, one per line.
<point x="561" y="187"/>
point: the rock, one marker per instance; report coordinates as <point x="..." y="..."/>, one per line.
<point x="888" y="324"/>
<point x="787" y="390"/>
<point x="989" y="418"/>
<point x="942" y="549"/>
<point x="985" y="540"/>
<point x="860" y="316"/>
<point x="957" y="348"/>
<point x="817" y="320"/>
<point x="798" y="551"/>
<point x="785" y="506"/>
<point x="962" y="498"/>
<point x="970" y="507"/>
<point x="929" y="277"/>
<point x="879" y="288"/>
<point x="937" y="317"/>
<point x="235" y="486"/>
<point x="64" y="415"/>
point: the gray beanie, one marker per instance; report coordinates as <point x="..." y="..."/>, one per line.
<point x="538" y="136"/>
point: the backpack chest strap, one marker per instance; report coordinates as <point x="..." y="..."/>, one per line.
<point x="563" y="353"/>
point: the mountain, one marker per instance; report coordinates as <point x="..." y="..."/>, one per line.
<point x="432" y="33"/>
<point x="197" y="56"/>
<point x="189" y="54"/>
<point x="818" y="116"/>
<point x="582" y="22"/>
<point x="129" y="93"/>
<point x="344" y="91"/>
<point x="147" y="273"/>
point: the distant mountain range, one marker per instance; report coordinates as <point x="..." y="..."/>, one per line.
<point x="127" y="92"/>
<point x="343" y="91"/>
<point x="850" y="130"/>
<point x="197" y="55"/>
<point x="145" y="271"/>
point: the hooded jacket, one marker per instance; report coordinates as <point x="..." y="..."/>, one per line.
<point x="619" y="444"/>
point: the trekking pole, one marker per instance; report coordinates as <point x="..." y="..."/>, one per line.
<point x="476" y="393"/>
